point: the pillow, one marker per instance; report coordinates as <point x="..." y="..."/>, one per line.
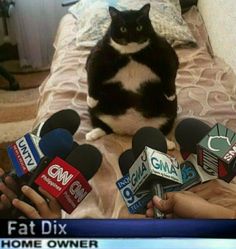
<point x="94" y="19"/>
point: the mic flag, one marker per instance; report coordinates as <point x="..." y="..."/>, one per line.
<point x="65" y="183"/>
<point x="25" y="154"/>
<point x="217" y="152"/>
<point x="151" y="166"/>
<point x="136" y="204"/>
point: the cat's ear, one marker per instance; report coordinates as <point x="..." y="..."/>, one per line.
<point x="113" y="12"/>
<point x="145" y="9"/>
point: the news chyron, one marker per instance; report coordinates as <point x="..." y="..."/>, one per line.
<point x="118" y="234"/>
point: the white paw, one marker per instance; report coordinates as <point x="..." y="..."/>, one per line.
<point x="91" y="101"/>
<point x="95" y="134"/>
<point x="170" y="144"/>
<point x="170" y="98"/>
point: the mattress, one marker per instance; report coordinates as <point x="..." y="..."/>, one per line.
<point x="206" y="90"/>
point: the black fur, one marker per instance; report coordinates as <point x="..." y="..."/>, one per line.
<point x="104" y="62"/>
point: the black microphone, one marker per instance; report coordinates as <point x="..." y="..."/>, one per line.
<point x="153" y="168"/>
<point x="136" y="203"/>
<point x="67" y="119"/>
<point x="148" y="136"/>
<point x="188" y="134"/>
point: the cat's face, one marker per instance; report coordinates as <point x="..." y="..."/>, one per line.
<point x="130" y="26"/>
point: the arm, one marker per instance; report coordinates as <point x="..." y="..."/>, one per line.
<point x="217" y="192"/>
<point x="189" y="205"/>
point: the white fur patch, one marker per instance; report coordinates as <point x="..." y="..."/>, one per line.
<point x="130" y="122"/>
<point x="171" y="98"/>
<point x="91" y="102"/>
<point x="95" y="134"/>
<point x="133" y="75"/>
<point x="130" y="48"/>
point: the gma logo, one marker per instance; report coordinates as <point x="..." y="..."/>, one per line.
<point x="57" y="172"/>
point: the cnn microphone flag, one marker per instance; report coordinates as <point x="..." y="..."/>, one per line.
<point x="65" y="183"/>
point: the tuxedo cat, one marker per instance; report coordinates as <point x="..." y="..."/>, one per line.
<point x="131" y="77"/>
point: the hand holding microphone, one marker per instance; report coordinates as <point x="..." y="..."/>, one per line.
<point x="86" y="160"/>
<point x="186" y="204"/>
<point x="153" y="168"/>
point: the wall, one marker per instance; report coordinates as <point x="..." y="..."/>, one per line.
<point x="220" y="21"/>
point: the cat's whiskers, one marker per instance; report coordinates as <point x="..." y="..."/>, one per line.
<point x="130" y="48"/>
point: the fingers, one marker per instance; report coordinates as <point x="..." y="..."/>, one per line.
<point x="150" y="213"/>
<point x="150" y="204"/>
<point x="5" y="201"/>
<point x="53" y="204"/>
<point x="12" y="184"/>
<point x="165" y="206"/>
<point x="8" y="192"/>
<point x="2" y="172"/>
<point x="37" y="199"/>
<point x="25" y="208"/>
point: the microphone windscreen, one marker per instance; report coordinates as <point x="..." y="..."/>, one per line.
<point x="66" y="119"/>
<point x="189" y="132"/>
<point x="85" y="158"/>
<point x="126" y="160"/>
<point x="58" y="142"/>
<point x="74" y="146"/>
<point x="148" y="136"/>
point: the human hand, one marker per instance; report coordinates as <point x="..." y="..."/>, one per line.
<point x="46" y="207"/>
<point x="217" y="192"/>
<point x="9" y="189"/>
<point x="188" y="205"/>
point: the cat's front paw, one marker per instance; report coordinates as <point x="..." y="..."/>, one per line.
<point x="170" y="98"/>
<point x="95" y="134"/>
<point x="91" y="102"/>
<point x="170" y="144"/>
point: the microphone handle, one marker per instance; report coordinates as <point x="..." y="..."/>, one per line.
<point x="157" y="189"/>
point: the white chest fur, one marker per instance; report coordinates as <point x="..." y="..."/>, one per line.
<point x="131" y="121"/>
<point x="133" y="75"/>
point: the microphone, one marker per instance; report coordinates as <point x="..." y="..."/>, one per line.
<point x="212" y="145"/>
<point x="188" y="134"/>
<point x="25" y="154"/>
<point x="54" y="143"/>
<point x="216" y="152"/>
<point x="148" y="136"/>
<point x="67" y="180"/>
<point x="67" y="119"/>
<point x="153" y="168"/>
<point x="136" y="204"/>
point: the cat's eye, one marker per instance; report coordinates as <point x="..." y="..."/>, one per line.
<point x="139" y="28"/>
<point x="123" y="29"/>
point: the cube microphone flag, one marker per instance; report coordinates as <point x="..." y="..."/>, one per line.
<point x="153" y="168"/>
<point x="217" y="152"/>
<point x="136" y="203"/>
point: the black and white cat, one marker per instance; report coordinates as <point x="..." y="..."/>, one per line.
<point x="131" y="77"/>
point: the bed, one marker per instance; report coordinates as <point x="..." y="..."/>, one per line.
<point x="205" y="86"/>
